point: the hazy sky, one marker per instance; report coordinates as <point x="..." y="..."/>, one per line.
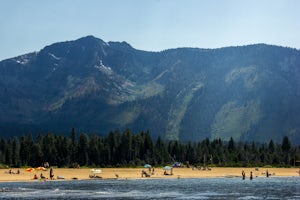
<point x="30" y="25"/>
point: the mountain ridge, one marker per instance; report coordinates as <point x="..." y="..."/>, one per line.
<point x="245" y="92"/>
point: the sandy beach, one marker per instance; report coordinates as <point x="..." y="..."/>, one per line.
<point x="135" y="173"/>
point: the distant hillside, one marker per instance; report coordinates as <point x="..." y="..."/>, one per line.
<point x="248" y="92"/>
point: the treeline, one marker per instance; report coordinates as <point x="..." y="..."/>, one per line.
<point x="122" y="149"/>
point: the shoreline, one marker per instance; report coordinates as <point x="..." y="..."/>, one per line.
<point x="70" y="174"/>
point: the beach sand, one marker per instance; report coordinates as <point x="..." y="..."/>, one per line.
<point x="135" y="173"/>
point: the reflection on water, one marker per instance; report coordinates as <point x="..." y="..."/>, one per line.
<point x="215" y="188"/>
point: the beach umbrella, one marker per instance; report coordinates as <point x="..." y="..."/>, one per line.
<point x="147" y="166"/>
<point x="167" y="168"/>
<point x="41" y="168"/>
<point x="30" y="169"/>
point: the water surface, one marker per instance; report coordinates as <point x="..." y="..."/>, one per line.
<point x="210" y="188"/>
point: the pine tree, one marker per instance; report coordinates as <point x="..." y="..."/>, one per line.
<point x="286" y="147"/>
<point x="83" y="149"/>
<point x="286" y="144"/>
<point x="16" y="152"/>
<point x="73" y="147"/>
<point x="26" y="146"/>
<point x="94" y="152"/>
<point x="148" y="148"/>
<point x="231" y="145"/>
<point x="8" y="153"/>
<point x="2" y="150"/>
<point x="271" y="147"/>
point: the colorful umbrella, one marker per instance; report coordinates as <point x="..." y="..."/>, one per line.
<point x="41" y="168"/>
<point x="167" y="168"/>
<point x="30" y="169"/>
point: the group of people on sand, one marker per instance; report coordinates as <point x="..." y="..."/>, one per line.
<point x="12" y="172"/>
<point x="201" y="168"/>
<point x="151" y="172"/>
<point x="144" y="173"/>
<point x="42" y="176"/>
<point x="166" y="173"/>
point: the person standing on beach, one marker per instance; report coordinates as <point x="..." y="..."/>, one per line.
<point x="51" y="173"/>
<point x="251" y="176"/>
<point x="243" y="174"/>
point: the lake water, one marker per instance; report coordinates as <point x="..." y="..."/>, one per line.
<point x="212" y="188"/>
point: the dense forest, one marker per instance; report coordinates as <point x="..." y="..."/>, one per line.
<point x="124" y="149"/>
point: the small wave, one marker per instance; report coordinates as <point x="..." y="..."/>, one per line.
<point x="250" y="197"/>
<point x="169" y="194"/>
<point x="133" y="193"/>
<point x="102" y="192"/>
<point x="23" y="189"/>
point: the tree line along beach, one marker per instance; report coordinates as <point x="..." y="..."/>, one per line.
<point x="127" y="149"/>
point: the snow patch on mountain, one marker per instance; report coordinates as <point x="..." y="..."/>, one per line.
<point x="53" y="56"/>
<point x="23" y="60"/>
<point x="104" y="69"/>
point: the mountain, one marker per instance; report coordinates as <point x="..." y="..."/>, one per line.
<point x="246" y="92"/>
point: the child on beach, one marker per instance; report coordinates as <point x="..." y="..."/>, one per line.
<point x="35" y="177"/>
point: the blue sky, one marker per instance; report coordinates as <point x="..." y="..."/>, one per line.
<point x="154" y="25"/>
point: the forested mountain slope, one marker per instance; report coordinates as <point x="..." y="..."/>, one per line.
<point x="247" y="92"/>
